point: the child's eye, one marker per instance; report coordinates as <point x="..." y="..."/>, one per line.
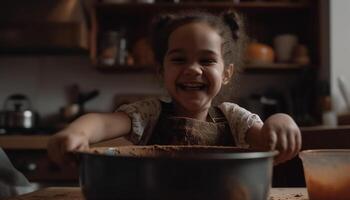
<point x="207" y="62"/>
<point x="178" y="60"/>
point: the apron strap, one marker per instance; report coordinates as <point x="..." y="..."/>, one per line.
<point x="216" y="115"/>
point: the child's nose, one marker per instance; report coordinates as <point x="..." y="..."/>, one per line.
<point x="193" y="69"/>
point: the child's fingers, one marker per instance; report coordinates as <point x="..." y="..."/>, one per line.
<point x="289" y="145"/>
<point x="70" y="146"/>
<point x="82" y="147"/>
<point x="54" y="150"/>
<point x="67" y="155"/>
<point x="272" y="140"/>
<point x="291" y="148"/>
<point x="282" y="143"/>
<point x="73" y="157"/>
<point x="281" y="146"/>
<point x="298" y="140"/>
<point x="297" y="143"/>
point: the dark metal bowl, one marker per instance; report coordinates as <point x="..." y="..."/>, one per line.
<point x="176" y="172"/>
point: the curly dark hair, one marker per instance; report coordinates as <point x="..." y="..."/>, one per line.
<point x="229" y="26"/>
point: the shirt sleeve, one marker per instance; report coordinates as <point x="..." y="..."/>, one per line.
<point x="144" y="116"/>
<point x="240" y="120"/>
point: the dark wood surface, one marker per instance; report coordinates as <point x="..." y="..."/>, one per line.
<point x="74" y="193"/>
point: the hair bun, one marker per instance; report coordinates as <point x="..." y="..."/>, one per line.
<point x="233" y="20"/>
<point x="161" y="21"/>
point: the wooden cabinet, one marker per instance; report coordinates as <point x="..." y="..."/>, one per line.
<point x="264" y="19"/>
<point x="43" y="27"/>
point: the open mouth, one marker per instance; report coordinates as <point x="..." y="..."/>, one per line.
<point x="192" y="86"/>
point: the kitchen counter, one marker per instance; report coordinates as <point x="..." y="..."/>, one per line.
<point x="39" y="142"/>
<point x="313" y="137"/>
<point x="74" y="193"/>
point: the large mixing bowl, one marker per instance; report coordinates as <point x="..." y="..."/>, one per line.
<point x="176" y="172"/>
<point x="327" y="173"/>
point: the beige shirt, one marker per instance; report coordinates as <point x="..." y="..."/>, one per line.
<point x="144" y="116"/>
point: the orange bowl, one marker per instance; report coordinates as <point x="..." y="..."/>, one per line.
<point x="327" y="173"/>
<point x="258" y="53"/>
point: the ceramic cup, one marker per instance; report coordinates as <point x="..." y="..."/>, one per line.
<point x="284" y="45"/>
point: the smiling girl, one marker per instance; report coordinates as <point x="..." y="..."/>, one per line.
<point x="197" y="54"/>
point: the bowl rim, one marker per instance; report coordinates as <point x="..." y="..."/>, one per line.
<point x="245" y="154"/>
<point x="323" y="151"/>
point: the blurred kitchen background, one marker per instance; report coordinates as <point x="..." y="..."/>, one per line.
<point x="60" y="59"/>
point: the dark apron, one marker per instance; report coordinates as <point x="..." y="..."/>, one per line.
<point x="172" y="130"/>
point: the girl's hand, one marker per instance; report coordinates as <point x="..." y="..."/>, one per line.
<point x="279" y="132"/>
<point x="63" y="142"/>
<point x="87" y="129"/>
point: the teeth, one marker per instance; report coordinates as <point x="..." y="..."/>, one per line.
<point x="192" y="86"/>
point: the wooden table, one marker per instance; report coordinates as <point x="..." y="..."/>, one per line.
<point x="74" y="193"/>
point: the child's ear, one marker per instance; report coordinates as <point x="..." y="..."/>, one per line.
<point x="228" y="72"/>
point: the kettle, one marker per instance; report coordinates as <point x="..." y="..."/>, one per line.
<point x="19" y="113"/>
<point x="76" y="108"/>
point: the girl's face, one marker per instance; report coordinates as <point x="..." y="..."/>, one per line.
<point x="194" y="68"/>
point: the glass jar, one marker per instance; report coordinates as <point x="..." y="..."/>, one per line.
<point x="113" y="49"/>
<point x="109" y="48"/>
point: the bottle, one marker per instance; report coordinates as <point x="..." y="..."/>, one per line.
<point x="329" y="117"/>
<point x="109" y="48"/>
<point x="122" y="50"/>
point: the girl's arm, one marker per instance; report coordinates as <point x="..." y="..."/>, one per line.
<point x="278" y="132"/>
<point x="86" y="130"/>
<point x="101" y="126"/>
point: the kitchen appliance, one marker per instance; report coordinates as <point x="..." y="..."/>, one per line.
<point x="175" y="172"/>
<point x="18" y="113"/>
<point x="76" y="107"/>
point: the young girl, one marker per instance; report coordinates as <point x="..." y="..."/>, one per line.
<point x="197" y="53"/>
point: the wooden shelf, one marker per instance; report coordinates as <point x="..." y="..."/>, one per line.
<point x="136" y="12"/>
<point x="117" y="69"/>
<point x="248" y="68"/>
<point x="146" y="7"/>
<point x="48" y="50"/>
<point x="275" y="66"/>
